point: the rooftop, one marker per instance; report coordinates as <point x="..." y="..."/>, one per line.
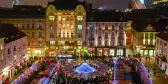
<point x="163" y="36"/>
<point x="66" y="4"/>
<point x="10" y="33"/>
<point x="106" y="16"/>
<point x="23" y="11"/>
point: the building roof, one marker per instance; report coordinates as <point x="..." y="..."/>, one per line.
<point x="158" y="26"/>
<point x="66" y="4"/>
<point x="23" y="11"/>
<point x="10" y="33"/>
<point x="163" y="36"/>
<point x="106" y="16"/>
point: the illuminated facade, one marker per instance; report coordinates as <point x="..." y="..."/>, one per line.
<point x="129" y="39"/>
<point x="31" y="21"/>
<point x="106" y="34"/>
<point x="2" y="61"/>
<point x="15" y="53"/>
<point x="144" y="39"/>
<point x="158" y="1"/>
<point x="65" y="28"/>
<point x="162" y="50"/>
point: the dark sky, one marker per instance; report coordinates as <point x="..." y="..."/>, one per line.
<point x="114" y="4"/>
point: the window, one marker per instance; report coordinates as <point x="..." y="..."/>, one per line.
<point x="32" y="25"/>
<point x="14" y="48"/>
<point x="80" y="27"/>
<point x="1" y="47"/>
<point x="51" y="27"/>
<point x="79" y="35"/>
<point x="59" y="34"/>
<point x="51" y="17"/>
<point x="72" y="26"/>
<point x="22" y="25"/>
<point x="9" y="51"/>
<point x="40" y="34"/>
<point x="59" y="17"/>
<point x="67" y="34"/>
<point x="40" y="26"/>
<point x="106" y="27"/>
<point x="71" y="34"/>
<point x="63" y="34"/>
<point x="112" y="27"/>
<point x="121" y="27"/>
<point x="79" y="18"/>
<point x="52" y="42"/>
<point x="32" y="33"/>
<point x="28" y="26"/>
<point x="51" y="35"/>
<point x="63" y="19"/>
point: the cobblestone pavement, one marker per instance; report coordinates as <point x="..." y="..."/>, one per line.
<point x="159" y="78"/>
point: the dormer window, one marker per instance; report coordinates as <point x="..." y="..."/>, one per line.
<point x="79" y="18"/>
<point x="149" y="28"/>
<point x="51" y="17"/>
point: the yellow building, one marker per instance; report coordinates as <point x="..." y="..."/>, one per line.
<point x="144" y="38"/>
<point x="2" y="61"/>
<point x="31" y="21"/>
<point x="158" y="1"/>
<point x="65" y="26"/>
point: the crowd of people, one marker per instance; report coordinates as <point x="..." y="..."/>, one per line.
<point x="64" y="79"/>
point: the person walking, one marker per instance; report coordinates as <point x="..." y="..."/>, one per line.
<point x="154" y="71"/>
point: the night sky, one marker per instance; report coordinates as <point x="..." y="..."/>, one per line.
<point x="114" y="4"/>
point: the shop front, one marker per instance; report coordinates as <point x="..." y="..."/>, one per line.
<point x="91" y="51"/>
<point x="147" y="52"/>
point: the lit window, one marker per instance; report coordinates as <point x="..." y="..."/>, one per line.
<point x="51" y="17"/>
<point x="51" y="27"/>
<point x="79" y="18"/>
<point x="67" y="25"/>
<point x="63" y="25"/>
<point x="63" y="19"/>
<point x="80" y="27"/>
<point x="59" y="17"/>
<point x="52" y="42"/>
<point x="72" y="26"/>
<point x="1" y="47"/>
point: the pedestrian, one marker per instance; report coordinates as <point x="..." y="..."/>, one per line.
<point x="154" y="71"/>
<point x="148" y="72"/>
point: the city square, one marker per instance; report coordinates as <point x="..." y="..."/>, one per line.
<point x="81" y="42"/>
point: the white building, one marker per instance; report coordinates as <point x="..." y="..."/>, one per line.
<point x="162" y="50"/>
<point x="14" y="51"/>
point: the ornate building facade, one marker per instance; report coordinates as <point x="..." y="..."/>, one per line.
<point x="159" y="1"/>
<point x="106" y="34"/>
<point x="15" y="51"/>
<point x="31" y="21"/>
<point x="162" y="50"/>
<point x="65" y="27"/>
<point x="145" y="37"/>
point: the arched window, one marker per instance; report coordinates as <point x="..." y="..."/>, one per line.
<point x="51" y="27"/>
<point x="9" y="51"/>
<point x="14" y="48"/>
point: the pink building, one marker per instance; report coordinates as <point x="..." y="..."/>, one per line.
<point x="14" y="54"/>
<point x="106" y="34"/>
